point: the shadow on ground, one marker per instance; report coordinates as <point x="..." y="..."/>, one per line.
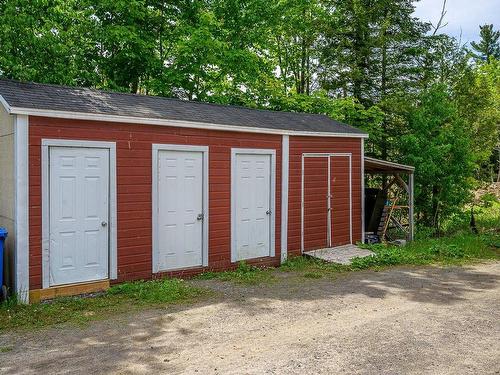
<point x="134" y="338"/>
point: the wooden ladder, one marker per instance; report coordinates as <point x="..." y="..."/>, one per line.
<point x="386" y="219"/>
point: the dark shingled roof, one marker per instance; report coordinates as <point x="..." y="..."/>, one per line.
<point x="83" y="100"/>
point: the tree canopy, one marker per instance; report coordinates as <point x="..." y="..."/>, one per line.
<point x="424" y="98"/>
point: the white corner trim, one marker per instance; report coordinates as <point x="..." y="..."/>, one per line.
<point x="285" y="165"/>
<point x="113" y="231"/>
<point x="272" y="232"/>
<point x="350" y="197"/>
<point x="156" y="148"/>
<point x="176" y="123"/>
<point x="21" y="224"/>
<point x="362" y="156"/>
<point x="302" y="179"/>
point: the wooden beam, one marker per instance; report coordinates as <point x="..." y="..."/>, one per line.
<point x="38" y="295"/>
<point x="401" y="183"/>
<point x="411" y="232"/>
<point x="391" y="182"/>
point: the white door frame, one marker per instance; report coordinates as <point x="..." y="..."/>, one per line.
<point x="155" y="207"/>
<point x="254" y="151"/>
<point x="113" y="250"/>
<point x="329" y="217"/>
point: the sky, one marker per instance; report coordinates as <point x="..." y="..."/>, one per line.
<point x="463" y="16"/>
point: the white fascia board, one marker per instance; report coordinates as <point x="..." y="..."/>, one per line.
<point x="6" y="105"/>
<point x="176" y="123"/>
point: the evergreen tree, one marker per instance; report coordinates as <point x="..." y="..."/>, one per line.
<point x="489" y="45"/>
<point x="371" y="48"/>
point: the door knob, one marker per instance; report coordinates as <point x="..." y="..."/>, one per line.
<point x="200" y="217"/>
<point x="268" y="212"/>
<point x="103" y="224"/>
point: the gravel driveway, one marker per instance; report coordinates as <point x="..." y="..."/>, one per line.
<point x="399" y="321"/>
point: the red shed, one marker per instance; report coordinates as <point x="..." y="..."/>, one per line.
<point x="101" y="187"/>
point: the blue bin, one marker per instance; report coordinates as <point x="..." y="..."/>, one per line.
<point x="3" y="236"/>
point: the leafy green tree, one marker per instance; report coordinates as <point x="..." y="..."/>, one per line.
<point x="369" y="63"/>
<point x="347" y="110"/>
<point x="438" y="143"/>
<point x="478" y="104"/>
<point x="296" y="31"/>
<point x="488" y="75"/>
<point x="41" y="40"/>
<point x="489" y="45"/>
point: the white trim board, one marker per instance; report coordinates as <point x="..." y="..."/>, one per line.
<point x="362" y="191"/>
<point x="272" y="232"/>
<point x="166" y="122"/>
<point x="113" y="243"/>
<point x="21" y="209"/>
<point x="285" y="166"/>
<point x="329" y="220"/>
<point x="6" y="105"/>
<point x="156" y="148"/>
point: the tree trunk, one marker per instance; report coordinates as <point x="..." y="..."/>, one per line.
<point x="435" y="209"/>
<point x="134" y="86"/>
<point x="498" y="177"/>
<point x="303" y="67"/>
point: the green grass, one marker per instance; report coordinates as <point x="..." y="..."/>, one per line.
<point x="245" y="274"/>
<point x="458" y="247"/>
<point x="454" y="250"/>
<point x="487" y="217"/>
<point x="461" y="247"/>
<point x="313" y="275"/>
<point x="78" y="310"/>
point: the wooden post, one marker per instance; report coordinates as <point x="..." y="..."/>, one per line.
<point x="411" y="229"/>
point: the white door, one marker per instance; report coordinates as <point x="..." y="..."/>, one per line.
<point x="79" y="211"/>
<point x="180" y="209"/>
<point x="252" y="195"/>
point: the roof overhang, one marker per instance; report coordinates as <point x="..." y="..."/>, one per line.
<point x="377" y="166"/>
<point x="167" y="122"/>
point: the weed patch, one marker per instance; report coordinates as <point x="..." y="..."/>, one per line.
<point x="454" y="250"/>
<point x="313" y="275"/>
<point x="458" y="249"/>
<point x="244" y="274"/>
<point x="312" y="268"/>
<point x="155" y="291"/>
<point x="80" y="310"/>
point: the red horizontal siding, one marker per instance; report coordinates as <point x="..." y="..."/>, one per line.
<point x="134" y="177"/>
<point x="314" y="220"/>
<point x="339" y="173"/>
<point x="315" y="203"/>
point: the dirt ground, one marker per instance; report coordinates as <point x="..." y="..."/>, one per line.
<point x="399" y="321"/>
